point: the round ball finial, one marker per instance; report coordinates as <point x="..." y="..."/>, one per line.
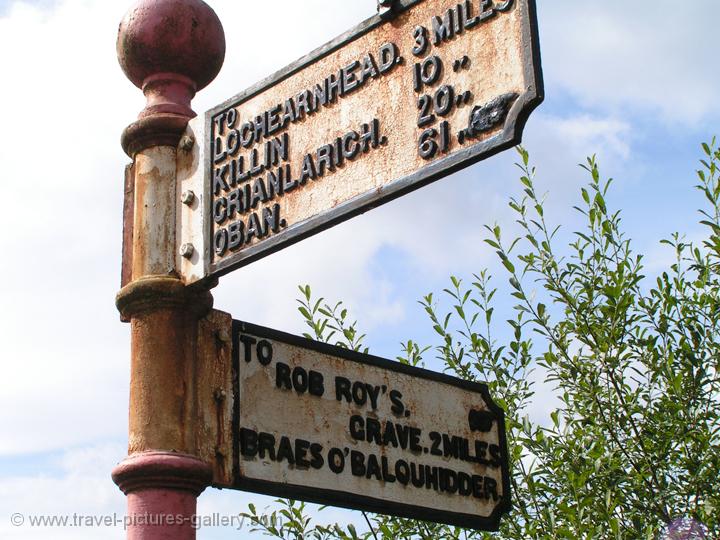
<point x="170" y="49"/>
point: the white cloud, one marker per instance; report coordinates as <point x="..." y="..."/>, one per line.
<point x="335" y="264"/>
<point x="76" y="485"/>
<point x="62" y="200"/>
<point x="62" y="187"/>
<point x="62" y="182"/>
<point x="264" y="37"/>
<point x="64" y="353"/>
<point x="558" y="143"/>
<point x="80" y="485"/>
<point x="656" y="57"/>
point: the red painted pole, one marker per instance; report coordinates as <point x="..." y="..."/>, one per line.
<point x="170" y="49"/>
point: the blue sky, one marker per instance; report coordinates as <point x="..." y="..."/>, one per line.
<point x="634" y="82"/>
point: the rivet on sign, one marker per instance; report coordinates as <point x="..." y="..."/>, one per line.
<point x="187" y="250"/>
<point x="187" y="197"/>
<point x="219" y="395"/>
<point x="186" y="143"/>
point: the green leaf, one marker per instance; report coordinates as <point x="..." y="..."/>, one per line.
<point x="585" y="195"/>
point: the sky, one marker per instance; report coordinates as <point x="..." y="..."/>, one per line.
<point x="633" y="82"/>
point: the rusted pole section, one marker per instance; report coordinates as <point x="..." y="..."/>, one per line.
<point x="170" y="49"/>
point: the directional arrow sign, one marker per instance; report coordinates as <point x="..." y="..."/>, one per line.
<point x="388" y="107"/>
<point x="324" y="424"/>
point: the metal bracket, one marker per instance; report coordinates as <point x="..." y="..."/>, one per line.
<point x="387" y="9"/>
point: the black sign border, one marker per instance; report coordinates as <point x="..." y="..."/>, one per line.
<point x="509" y="136"/>
<point x="350" y="500"/>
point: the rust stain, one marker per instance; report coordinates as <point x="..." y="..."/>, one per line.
<point x="128" y="218"/>
<point x="495" y="49"/>
<point x="215" y="398"/>
<point x="432" y="406"/>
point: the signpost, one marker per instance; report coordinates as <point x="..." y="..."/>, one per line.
<point x="417" y="92"/>
<point x="390" y="106"/>
<point x="325" y="424"/>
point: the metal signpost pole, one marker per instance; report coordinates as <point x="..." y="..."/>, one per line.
<point x="169" y="49"/>
<point x="423" y="89"/>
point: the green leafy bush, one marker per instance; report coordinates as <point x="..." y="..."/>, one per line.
<point x="632" y="450"/>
